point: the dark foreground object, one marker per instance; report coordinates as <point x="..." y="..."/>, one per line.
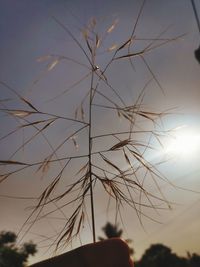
<point x="108" y="253"/>
<point x="197" y="54"/>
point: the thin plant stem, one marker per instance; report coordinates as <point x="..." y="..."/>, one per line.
<point x="90" y="152"/>
<point x="196" y="15"/>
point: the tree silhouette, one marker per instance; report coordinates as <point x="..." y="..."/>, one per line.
<point x="193" y="260"/>
<point x="160" y="255"/>
<point x="111" y="230"/>
<point x="10" y="254"/>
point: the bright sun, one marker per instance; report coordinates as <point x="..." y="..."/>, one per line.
<point x="183" y="142"/>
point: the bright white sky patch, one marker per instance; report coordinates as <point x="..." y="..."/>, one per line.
<point x="183" y="142"/>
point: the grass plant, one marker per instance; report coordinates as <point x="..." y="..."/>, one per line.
<point x="112" y="158"/>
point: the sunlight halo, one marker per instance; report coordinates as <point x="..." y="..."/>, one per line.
<point x="183" y="143"/>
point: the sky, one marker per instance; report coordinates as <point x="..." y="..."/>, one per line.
<point x="28" y="32"/>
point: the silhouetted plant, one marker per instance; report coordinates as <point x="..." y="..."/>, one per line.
<point x="193" y="259"/>
<point x="133" y="133"/>
<point x="10" y="254"/>
<point x="160" y="255"/>
<point x="111" y="231"/>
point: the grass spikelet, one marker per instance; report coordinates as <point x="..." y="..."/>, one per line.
<point x="112" y="27"/>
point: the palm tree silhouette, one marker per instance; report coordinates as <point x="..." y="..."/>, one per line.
<point x="111" y="231"/>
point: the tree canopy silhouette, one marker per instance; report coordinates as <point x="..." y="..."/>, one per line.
<point x="10" y="254"/>
<point x="112" y="230"/>
<point x="158" y="255"/>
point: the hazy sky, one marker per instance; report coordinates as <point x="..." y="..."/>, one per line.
<point x="28" y="31"/>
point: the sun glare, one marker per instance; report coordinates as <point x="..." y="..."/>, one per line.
<point x="183" y="142"/>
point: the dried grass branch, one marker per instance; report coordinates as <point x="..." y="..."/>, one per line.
<point x="119" y="165"/>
